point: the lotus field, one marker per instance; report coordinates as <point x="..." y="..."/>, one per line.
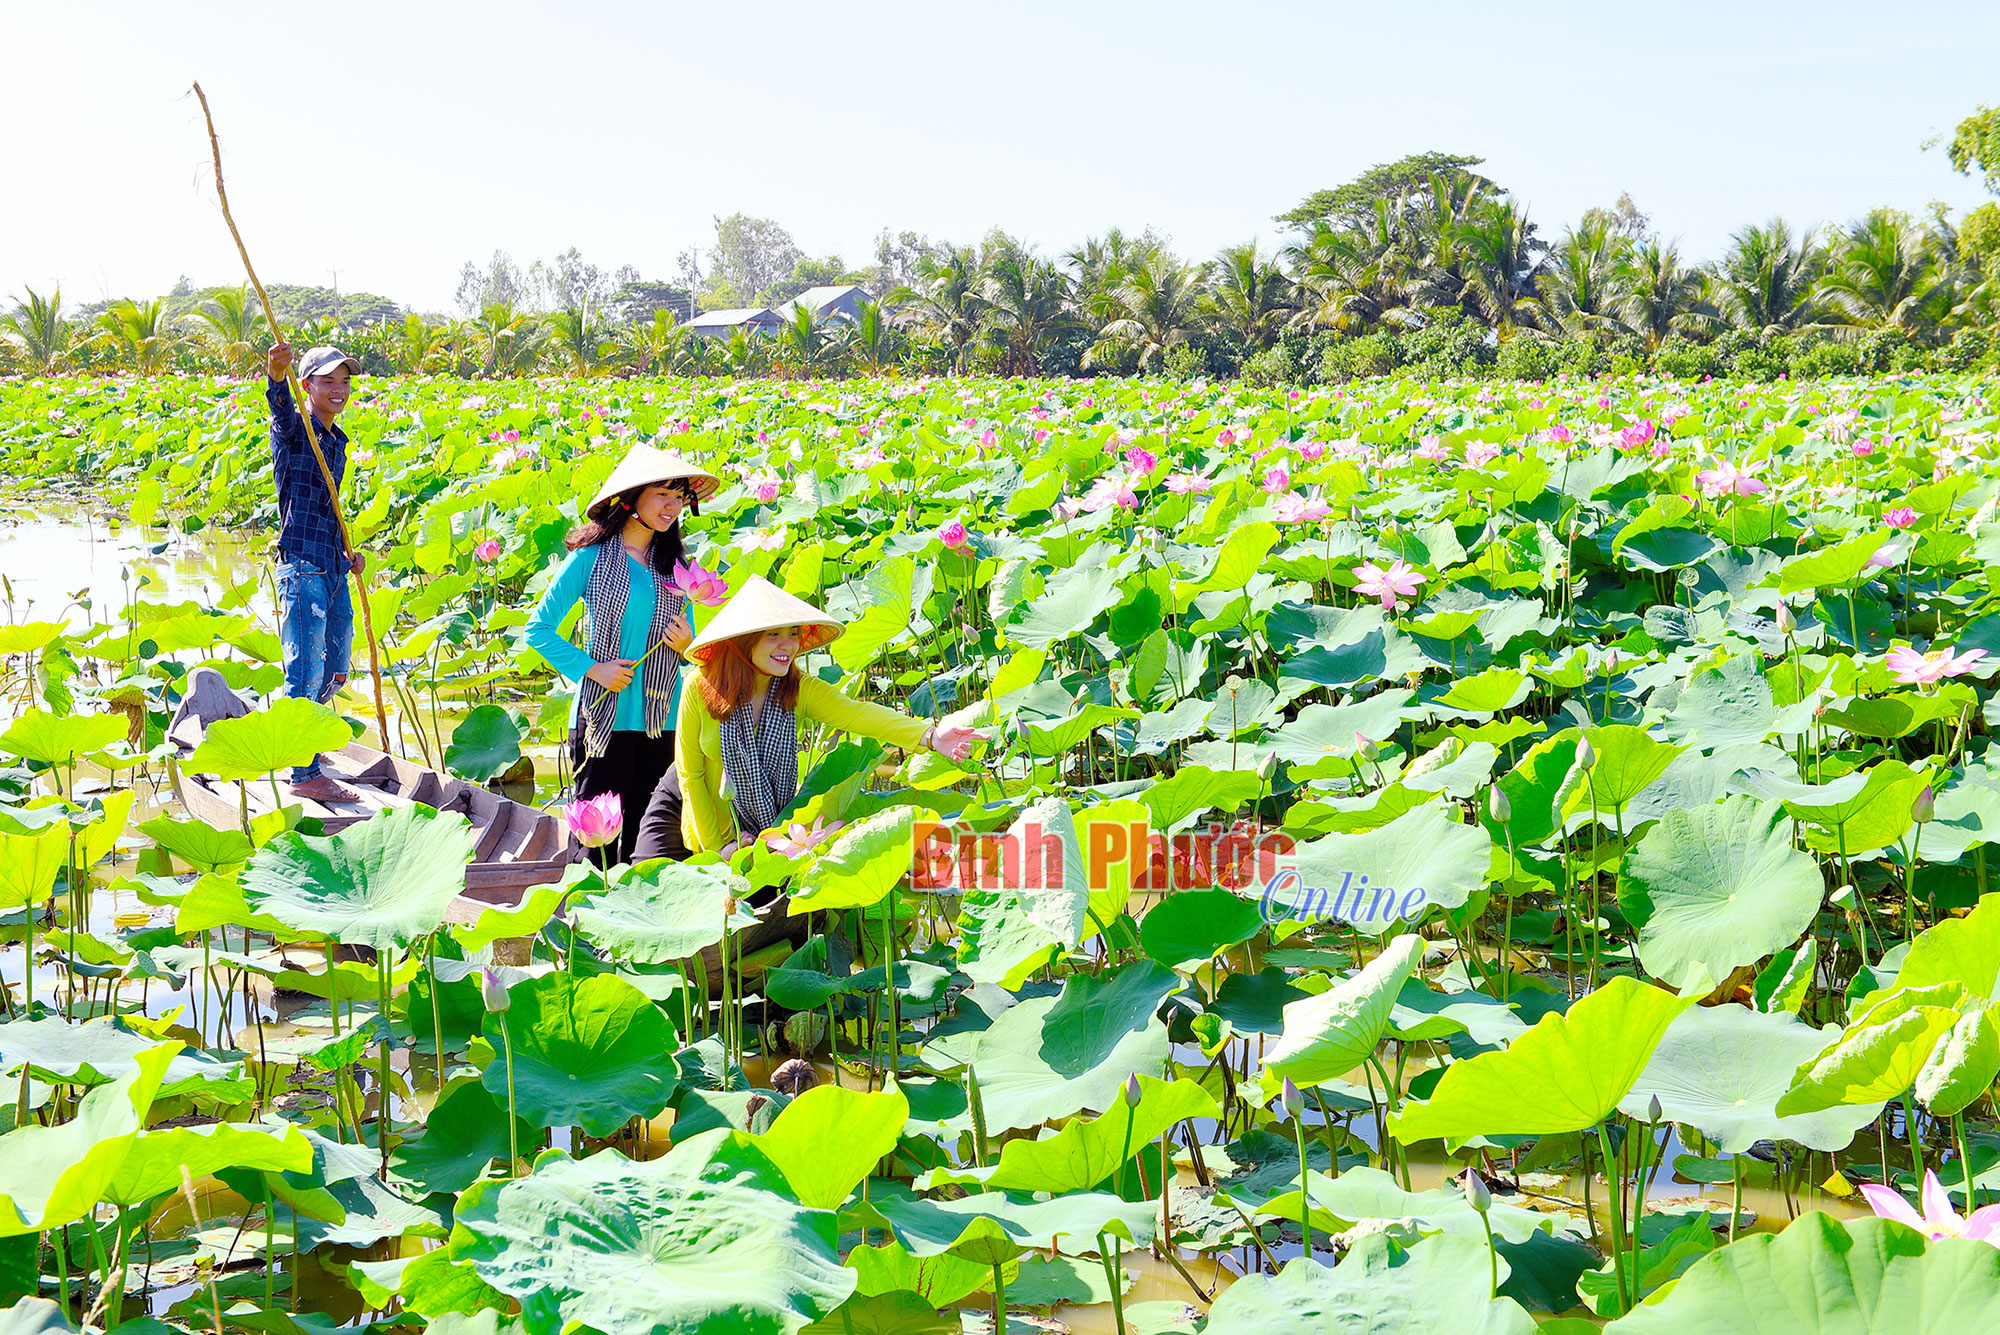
<point x="1447" y="857"/>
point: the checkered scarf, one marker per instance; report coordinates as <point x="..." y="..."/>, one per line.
<point x="761" y="764"/>
<point x="604" y="597"/>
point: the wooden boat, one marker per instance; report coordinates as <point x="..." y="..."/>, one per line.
<point x="518" y="845"/>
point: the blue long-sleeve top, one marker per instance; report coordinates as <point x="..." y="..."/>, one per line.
<point x="545" y="637"/>
<point x="306" y="524"/>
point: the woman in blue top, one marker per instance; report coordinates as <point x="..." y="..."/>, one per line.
<point x="621" y="568"/>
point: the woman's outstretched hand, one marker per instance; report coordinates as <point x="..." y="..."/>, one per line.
<point x="954" y="741"/>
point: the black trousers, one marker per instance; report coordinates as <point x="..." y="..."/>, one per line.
<point x="660" y="827"/>
<point x="631" y="767"/>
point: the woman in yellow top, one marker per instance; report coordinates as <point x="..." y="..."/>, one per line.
<point x="736" y="741"/>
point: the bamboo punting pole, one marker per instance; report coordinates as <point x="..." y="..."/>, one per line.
<point x="312" y="437"/>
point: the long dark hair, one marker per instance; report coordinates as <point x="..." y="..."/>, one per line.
<point x="607" y="521"/>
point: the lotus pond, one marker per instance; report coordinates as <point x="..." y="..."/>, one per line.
<point x="1448" y="858"/>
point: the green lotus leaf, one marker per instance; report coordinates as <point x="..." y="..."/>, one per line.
<point x="485" y="744"/>
<point x="1782" y="985"/>
<point x="829" y="1138"/>
<point x="464" y="1133"/>
<point x="1962" y="1067"/>
<point x="995" y="1227"/>
<point x="287" y="732"/>
<point x="1085" y="1153"/>
<point x="1194" y="789"/>
<point x="216" y="900"/>
<point x="1822" y="1277"/>
<point x="705" y="1241"/>
<point x="385" y="882"/>
<point x="1190" y="927"/>
<point x="1628" y="760"/>
<point x="101" y="1051"/>
<point x="53" y="1176"/>
<point x="199" y="844"/>
<point x="656" y="912"/>
<point x="1877" y="816"/>
<point x="1718" y="886"/>
<point x="881" y="610"/>
<point x="1963" y="950"/>
<point x="1725" y="705"/>
<point x="1833" y="567"/>
<point x="1534" y="790"/>
<point x="1881" y="1053"/>
<point x="1328" y="1035"/>
<point x="895" y="1313"/>
<point x="29" y="865"/>
<point x="497" y="922"/>
<point x="1369" y="1193"/>
<point x="592" y="1052"/>
<point x="1722" y="1071"/>
<point x="1421" y="1013"/>
<point x="1386" y="877"/>
<point x="1321" y="739"/>
<point x="1567" y="1073"/>
<point x="1487" y="692"/>
<point x="1048" y="1057"/>
<point x="1039" y="909"/>
<point x="60" y="739"/>
<point x="432" y="1284"/>
<point x="862" y="865"/>
<point x="153" y="1164"/>
<point x="939" y="1281"/>
<point x="1439" y="1285"/>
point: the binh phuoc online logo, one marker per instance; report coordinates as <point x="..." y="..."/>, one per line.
<point x="1244" y="857"/>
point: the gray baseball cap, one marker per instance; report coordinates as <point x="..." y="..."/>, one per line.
<point x="324" y="360"/>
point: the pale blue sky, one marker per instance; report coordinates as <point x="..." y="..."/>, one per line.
<point x="622" y="128"/>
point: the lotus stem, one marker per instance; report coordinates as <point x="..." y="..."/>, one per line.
<point x="513" y="1124"/>
<point x="999" y="1299"/>
<point x="384" y="1117"/>
<point x="1305" y="1185"/>
<point x="1615" y="1176"/>
<point x="1114" y="1265"/>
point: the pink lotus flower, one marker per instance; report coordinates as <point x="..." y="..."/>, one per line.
<point x="797" y="840"/>
<point x="1292" y="508"/>
<point x="1041" y="434"/>
<point x="1481" y="453"/>
<point x="701" y="585"/>
<point x="1064" y="511"/>
<point x="1312" y="451"/>
<point x="988" y="438"/>
<point x="1108" y="491"/>
<point x="1939" y="1220"/>
<point x="1277" y="480"/>
<point x="1900" y="517"/>
<point x="1727" y="479"/>
<point x="1431" y="450"/>
<point x="1863" y="448"/>
<point x="766" y="486"/>
<point x="953" y="535"/>
<point x="1914" y="669"/>
<point x="1142" y="461"/>
<point x="1558" y="434"/>
<point x="1225" y="437"/>
<point x="1187" y="484"/>
<point x="1888" y="554"/>
<point x="509" y="437"/>
<point x="867" y="458"/>
<point x="595" y="821"/>
<point x="1398" y="582"/>
<point x="1638" y="435"/>
<point x="488" y="551"/>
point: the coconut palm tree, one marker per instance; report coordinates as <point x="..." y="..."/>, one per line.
<point x="650" y="345"/>
<point x="1582" y="290"/>
<point x="945" y="297"/>
<point x="1249" y="295"/>
<point x="1027" y="300"/>
<point x="1159" y="305"/>
<point x="873" y="342"/>
<point x="1502" y="262"/>
<point x="504" y="341"/>
<point x="235" y="325"/>
<point x="1101" y="265"/>
<point x="579" y="337"/>
<point x="1663" y="297"/>
<point x="1767" y="277"/>
<point x="1886" y="274"/>
<point x="39" y="334"/>
<point x="807" y="343"/>
<point x="139" y="334"/>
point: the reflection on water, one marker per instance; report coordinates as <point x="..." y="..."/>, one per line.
<point x="53" y="556"/>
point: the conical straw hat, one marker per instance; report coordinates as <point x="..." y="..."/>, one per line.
<point x="644" y="465"/>
<point x="761" y="605"/>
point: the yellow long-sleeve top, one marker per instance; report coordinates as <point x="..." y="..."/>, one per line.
<point x="706" y="823"/>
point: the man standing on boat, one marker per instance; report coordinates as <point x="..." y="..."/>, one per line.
<point x="315" y="614"/>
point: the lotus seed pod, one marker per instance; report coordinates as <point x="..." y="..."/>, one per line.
<point x="493" y="990"/>
<point x="1132" y="1091"/>
<point x="1293" y="1101"/>
<point x="1924" y="809"/>
<point x="1477" y="1194"/>
<point x="1497" y="805"/>
<point x="794" y="1078"/>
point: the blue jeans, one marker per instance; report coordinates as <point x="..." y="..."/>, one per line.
<point x="316" y="627"/>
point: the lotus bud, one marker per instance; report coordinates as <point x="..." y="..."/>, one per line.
<point x="1477" y="1194"/>
<point x="1366" y="748"/>
<point x="1586" y="754"/>
<point x="1132" y="1091"/>
<point x="1611" y="661"/>
<point x="1497" y="805"/>
<point x="1294" y="1102"/>
<point x="493" y="989"/>
<point x="1924" y="810"/>
<point x="1267" y="767"/>
<point x="1788" y="624"/>
<point x="1654" y="1112"/>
